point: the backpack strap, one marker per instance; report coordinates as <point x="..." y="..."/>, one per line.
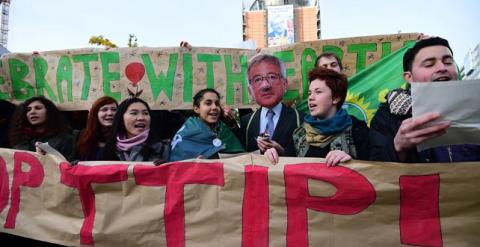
<point x="248" y="128"/>
<point x="298" y="117"/>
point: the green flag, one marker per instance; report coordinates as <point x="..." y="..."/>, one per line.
<point x="367" y="88"/>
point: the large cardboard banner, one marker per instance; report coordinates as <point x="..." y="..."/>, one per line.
<point x="169" y="77"/>
<point x="242" y="201"/>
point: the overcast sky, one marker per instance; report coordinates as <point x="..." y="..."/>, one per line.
<point x="458" y="21"/>
<point x="59" y="24"/>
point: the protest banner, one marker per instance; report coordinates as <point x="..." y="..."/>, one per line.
<point x="240" y="201"/>
<point x="368" y="88"/>
<point x="169" y="77"/>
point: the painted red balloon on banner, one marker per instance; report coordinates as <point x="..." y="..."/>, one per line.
<point x="135" y="72"/>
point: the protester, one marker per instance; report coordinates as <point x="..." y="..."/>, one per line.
<point x="267" y="85"/>
<point x="329" y="60"/>
<point x="92" y="139"/>
<point x="326" y="60"/>
<point x="395" y="134"/>
<point x="132" y="138"/>
<point x="204" y="135"/>
<point x="328" y="131"/>
<point x="37" y="120"/>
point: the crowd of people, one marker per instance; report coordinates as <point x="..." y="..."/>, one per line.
<point x="131" y="131"/>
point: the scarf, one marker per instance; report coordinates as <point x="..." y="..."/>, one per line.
<point x="399" y="102"/>
<point x="335" y="131"/>
<point x="196" y="138"/>
<point x="331" y="126"/>
<point x="33" y="133"/>
<point x="316" y="138"/>
<point x="125" y="144"/>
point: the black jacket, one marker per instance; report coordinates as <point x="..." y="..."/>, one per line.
<point x="384" y="127"/>
<point x="287" y="123"/>
<point x="62" y="142"/>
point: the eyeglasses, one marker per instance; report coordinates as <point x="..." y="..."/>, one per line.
<point x="270" y="77"/>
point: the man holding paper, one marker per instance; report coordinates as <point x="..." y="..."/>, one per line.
<point x="395" y="134"/>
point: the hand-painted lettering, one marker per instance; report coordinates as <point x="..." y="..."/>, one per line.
<point x="33" y="178"/>
<point x="81" y="178"/>
<point x="174" y="176"/>
<point x="354" y="194"/>
<point x="419" y="210"/>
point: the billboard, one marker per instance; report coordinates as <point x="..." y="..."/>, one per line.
<point x="280" y="25"/>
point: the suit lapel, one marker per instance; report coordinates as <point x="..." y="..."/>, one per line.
<point x="255" y="126"/>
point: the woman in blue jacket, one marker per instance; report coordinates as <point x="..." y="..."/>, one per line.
<point x="204" y="135"/>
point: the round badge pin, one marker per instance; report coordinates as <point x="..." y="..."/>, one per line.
<point x="217" y="142"/>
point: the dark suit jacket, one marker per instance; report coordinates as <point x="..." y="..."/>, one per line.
<point x="384" y="127"/>
<point x="287" y="123"/>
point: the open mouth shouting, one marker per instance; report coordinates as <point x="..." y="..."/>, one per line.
<point x="108" y="120"/>
<point x="443" y="78"/>
<point x="213" y="116"/>
<point x="140" y="127"/>
<point x="33" y="119"/>
<point x="137" y="128"/>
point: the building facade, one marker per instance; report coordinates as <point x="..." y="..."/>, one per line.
<point x="471" y="64"/>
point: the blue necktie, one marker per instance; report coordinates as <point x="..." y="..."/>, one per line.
<point x="270" y="125"/>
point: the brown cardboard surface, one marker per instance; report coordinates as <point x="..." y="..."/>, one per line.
<point x="75" y="78"/>
<point x="129" y="214"/>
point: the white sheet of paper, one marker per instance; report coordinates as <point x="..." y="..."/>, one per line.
<point x="457" y="102"/>
<point x="50" y="150"/>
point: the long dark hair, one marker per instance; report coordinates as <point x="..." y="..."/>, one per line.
<point x="118" y="128"/>
<point x="55" y="122"/>
<point x="92" y="135"/>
